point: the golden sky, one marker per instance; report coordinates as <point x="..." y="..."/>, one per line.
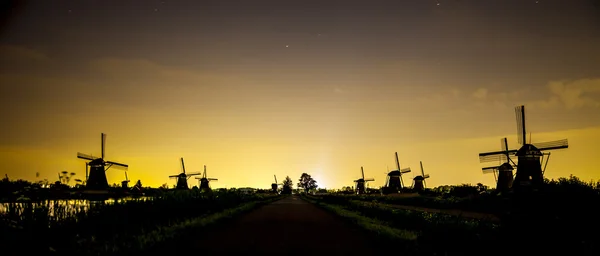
<point x="348" y="91"/>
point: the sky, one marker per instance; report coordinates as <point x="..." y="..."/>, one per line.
<point x="254" y="89"/>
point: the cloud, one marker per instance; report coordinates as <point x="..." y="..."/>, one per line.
<point x="20" y="53"/>
<point x="575" y="94"/>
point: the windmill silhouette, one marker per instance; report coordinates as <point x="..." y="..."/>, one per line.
<point x="98" y="167"/>
<point x="394" y="182"/>
<point x="360" y="183"/>
<point x="419" y="180"/>
<point x="204" y="181"/>
<point x="183" y="177"/>
<point x="503" y="173"/>
<point x="530" y="157"/>
<point x="275" y="186"/>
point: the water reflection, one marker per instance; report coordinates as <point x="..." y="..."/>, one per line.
<point x="60" y="208"/>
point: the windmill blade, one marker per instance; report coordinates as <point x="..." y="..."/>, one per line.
<point x="213" y="179"/>
<point x="557" y="144"/>
<point x="521" y="132"/>
<point x="422" y="172"/>
<point x="275" y="176"/>
<point x="405" y="170"/>
<point x="173" y="176"/>
<point x="193" y="174"/>
<point x="198" y="178"/>
<point x="117" y="164"/>
<point x="182" y="165"/>
<point x="85" y="156"/>
<point x="426" y="176"/>
<point x="504" y="144"/>
<point x="397" y="161"/>
<point x="492" y="169"/>
<point x="204" y="174"/>
<point x="126" y="178"/>
<point x="103" y="144"/>
<point x="362" y="171"/>
<point x="370" y="179"/>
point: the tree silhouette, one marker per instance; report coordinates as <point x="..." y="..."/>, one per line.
<point x="307" y="182"/>
<point x="287" y="186"/>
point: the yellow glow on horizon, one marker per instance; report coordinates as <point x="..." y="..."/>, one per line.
<point x="251" y="163"/>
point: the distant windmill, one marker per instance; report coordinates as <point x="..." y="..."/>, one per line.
<point x="360" y="183"/>
<point x="419" y="180"/>
<point x="125" y="183"/>
<point x="530" y="157"/>
<point x="98" y="166"/>
<point x="503" y="173"/>
<point x="183" y="177"/>
<point x="204" y="181"/>
<point x="394" y="182"/>
<point x="275" y="186"/>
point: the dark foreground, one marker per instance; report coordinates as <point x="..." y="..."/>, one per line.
<point x="290" y="226"/>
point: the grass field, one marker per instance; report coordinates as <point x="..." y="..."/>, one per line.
<point x="559" y="217"/>
<point x="120" y="227"/>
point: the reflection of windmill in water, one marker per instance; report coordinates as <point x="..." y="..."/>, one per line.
<point x="419" y="180"/>
<point x="394" y="182"/>
<point x="98" y="167"/>
<point x="361" y="183"/>
<point x="530" y="157"/>
<point x="204" y="181"/>
<point x="183" y="177"/>
<point x="275" y="186"/>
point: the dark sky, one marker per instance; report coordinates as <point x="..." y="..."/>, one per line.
<point x="296" y="71"/>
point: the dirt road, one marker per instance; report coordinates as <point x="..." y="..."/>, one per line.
<point x="289" y="226"/>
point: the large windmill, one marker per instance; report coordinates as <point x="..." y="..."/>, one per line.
<point x="183" y="177"/>
<point x="530" y="156"/>
<point x="503" y="173"/>
<point x="98" y="167"/>
<point x="204" y="181"/>
<point x="275" y="186"/>
<point x="361" y="183"/>
<point x="419" y="180"/>
<point x="394" y="182"/>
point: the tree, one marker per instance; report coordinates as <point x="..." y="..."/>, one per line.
<point x="287" y="186"/>
<point x="307" y="182"/>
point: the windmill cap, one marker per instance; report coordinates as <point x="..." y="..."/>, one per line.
<point x="419" y="177"/>
<point x="529" y="150"/>
<point x="394" y="173"/>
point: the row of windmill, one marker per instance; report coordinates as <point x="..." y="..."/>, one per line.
<point x="394" y="182"/>
<point x="95" y="172"/>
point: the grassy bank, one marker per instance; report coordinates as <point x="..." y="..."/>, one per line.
<point x="121" y="226"/>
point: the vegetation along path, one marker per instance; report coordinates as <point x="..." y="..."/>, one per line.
<point x="290" y="226"/>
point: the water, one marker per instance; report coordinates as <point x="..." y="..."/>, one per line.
<point x="68" y="206"/>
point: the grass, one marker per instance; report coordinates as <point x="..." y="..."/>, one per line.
<point x="124" y="225"/>
<point x="403" y="238"/>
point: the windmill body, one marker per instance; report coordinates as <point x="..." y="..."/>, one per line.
<point x="97" y="168"/>
<point x="361" y="183"/>
<point x="183" y="177"/>
<point x="504" y="172"/>
<point x="275" y="186"/>
<point x="394" y="182"/>
<point x="205" y="181"/>
<point x="419" y="180"/>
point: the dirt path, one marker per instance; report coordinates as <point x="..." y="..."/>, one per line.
<point x="290" y="226"/>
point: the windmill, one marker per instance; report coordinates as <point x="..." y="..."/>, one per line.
<point x="394" y="182"/>
<point x="125" y="183"/>
<point x="419" y="180"/>
<point x="360" y="183"/>
<point x="530" y="157"/>
<point x="503" y="173"/>
<point x="98" y="167"/>
<point x="183" y="177"/>
<point x="204" y="181"/>
<point x="275" y="186"/>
